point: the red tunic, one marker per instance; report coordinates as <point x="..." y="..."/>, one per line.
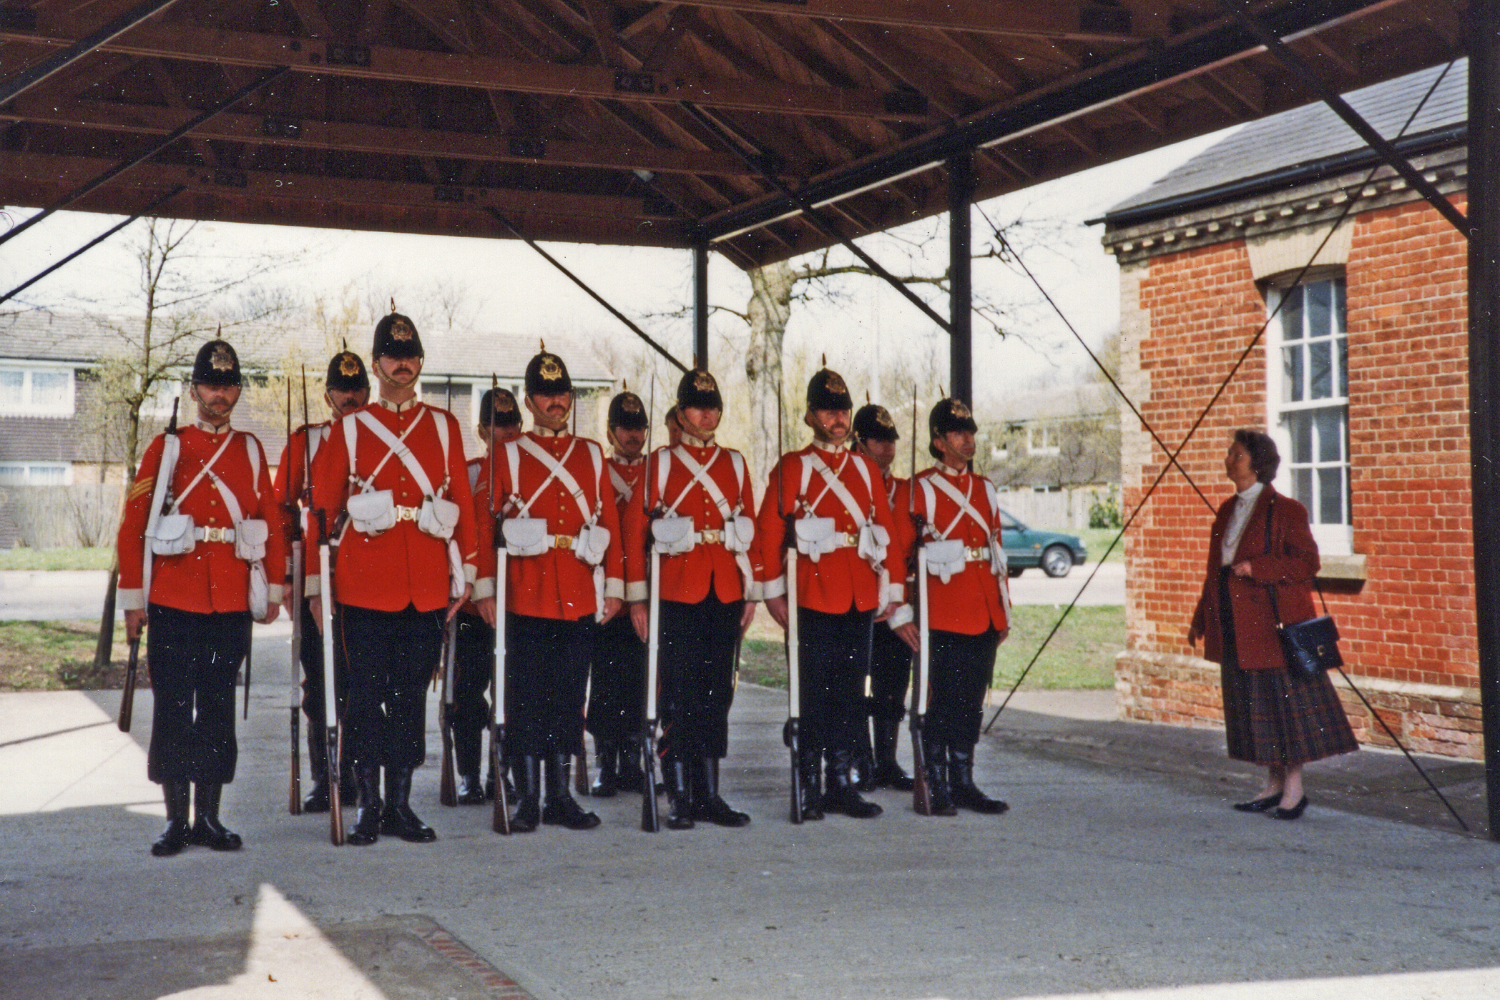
<point x="291" y="476"/>
<point x="841" y="580"/>
<point x="211" y="578"/>
<point x="556" y="584"/>
<point x="688" y="577"/>
<point x="403" y="566"/>
<point x="974" y="599"/>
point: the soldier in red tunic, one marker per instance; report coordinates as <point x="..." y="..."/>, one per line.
<point x="347" y="388"/>
<point x="214" y="529"/>
<point x="851" y="569"/>
<point x="617" y="684"/>
<point x="392" y="479"/>
<point x="564" y="578"/>
<point x="499" y="422"/>
<point x="875" y="436"/>
<point x="702" y="523"/>
<point x="968" y="599"/>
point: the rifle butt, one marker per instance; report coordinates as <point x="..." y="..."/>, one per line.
<point x="335" y="794"/>
<point x="500" y="818"/>
<point x="650" y="815"/>
<point x="921" y="794"/>
<point x="127" y="697"/>
<point x="448" y="785"/>
<point x="794" y="745"/>
<point x="581" y="774"/>
<point x="294" y="794"/>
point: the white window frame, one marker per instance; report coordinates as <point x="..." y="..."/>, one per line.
<point x="167" y="390"/>
<point x="27" y="408"/>
<point x="1050" y="439"/>
<point x="1332" y="539"/>
<point x="28" y="471"/>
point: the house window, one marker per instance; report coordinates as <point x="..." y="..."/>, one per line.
<point x="1042" y="439"/>
<point x="1308" y="401"/>
<point x="36" y="392"/>
<point x="36" y="473"/>
<point x="163" y="394"/>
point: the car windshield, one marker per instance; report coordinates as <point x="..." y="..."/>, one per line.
<point x="1009" y="523"/>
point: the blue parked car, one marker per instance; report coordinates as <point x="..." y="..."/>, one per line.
<point x="1055" y="552"/>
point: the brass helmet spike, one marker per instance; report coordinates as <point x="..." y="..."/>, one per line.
<point x="542" y="343"/>
<point x="825" y="360"/>
<point x="624" y="385"/>
<point x="393" y="303"/>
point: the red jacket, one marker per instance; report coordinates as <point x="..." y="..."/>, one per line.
<point x="291" y="476"/>
<point x="974" y="599"/>
<point x="556" y="584"/>
<point x="210" y="578"/>
<point x="1291" y="562"/>
<point x="840" y="580"/>
<point x="403" y="566"/>
<point x="688" y="578"/>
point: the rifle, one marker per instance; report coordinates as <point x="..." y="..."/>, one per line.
<point x="161" y="492"/>
<point x="650" y="817"/>
<point x="500" y="820"/>
<point x="581" y="760"/>
<point x="248" y="663"/>
<point x="334" y="731"/>
<point x="294" y="510"/>
<point x="793" y="640"/>
<point x="447" y="786"/>
<point x="917" y="563"/>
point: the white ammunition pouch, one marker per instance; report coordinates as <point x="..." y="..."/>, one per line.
<point x="739" y="533"/>
<point x="250" y="539"/>
<point x="999" y="565"/>
<point x="372" y="513"/>
<point x="457" y="580"/>
<point x="591" y="544"/>
<point x="872" y="542"/>
<point x="673" y="536"/>
<point x="946" y="558"/>
<point x="173" y="535"/>
<point x="259" y="593"/>
<point x="525" y="536"/>
<point x="438" y="518"/>
<point x="816" y="536"/>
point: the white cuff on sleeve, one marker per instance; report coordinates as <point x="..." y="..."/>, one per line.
<point x="313" y="586"/>
<point x="637" y="592"/>
<point x="614" y="587"/>
<point x="131" y="600"/>
<point x="901" y="616"/>
<point x="773" y="588"/>
<point x="895" y="593"/>
<point x="755" y="591"/>
<point x="484" y="588"/>
<point x="274" y="593"/>
<point x="471" y="573"/>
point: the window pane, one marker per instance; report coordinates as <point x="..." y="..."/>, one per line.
<point x="1343" y="370"/>
<point x="1301" y="430"/>
<point x="1331" y="496"/>
<point x="1338" y="305"/>
<point x="1302" y="487"/>
<point x="49" y="390"/>
<point x="12" y="475"/>
<point x="1318" y="296"/>
<point x="12" y="388"/>
<point x="1330" y="423"/>
<point x="48" y="475"/>
<point x="1320" y="374"/>
<point x="1291" y="371"/>
<point x="1291" y="314"/>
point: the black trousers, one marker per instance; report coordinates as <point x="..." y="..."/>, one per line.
<point x="835" y="660"/>
<point x="617" y="681"/>
<point x="470" y="715"/>
<point x="547" y="672"/>
<point x="193" y="660"/>
<point x="698" y="642"/>
<point x="391" y="656"/>
<point x="890" y="675"/>
<point x="962" y="667"/>
<point x="312" y="672"/>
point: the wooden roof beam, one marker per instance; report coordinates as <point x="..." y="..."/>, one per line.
<point x="195" y="44"/>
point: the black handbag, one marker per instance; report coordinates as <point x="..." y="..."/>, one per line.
<point x="1310" y="647"/>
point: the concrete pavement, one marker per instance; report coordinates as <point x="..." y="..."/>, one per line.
<point x="1120" y="871"/>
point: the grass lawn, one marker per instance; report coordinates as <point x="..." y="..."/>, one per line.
<point x="1096" y="540"/>
<point x="1080" y="655"/>
<point x="59" y="656"/>
<point x="52" y="559"/>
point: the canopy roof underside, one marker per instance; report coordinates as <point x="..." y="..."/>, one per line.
<point x="643" y="123"/>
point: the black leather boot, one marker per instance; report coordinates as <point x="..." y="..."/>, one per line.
<point x="841" y="795"/>
<point x="466" y="747"/>
<point x="809" y="770"/>
<point x="528" y="796"/>
<point x="175" y="836"/>
<point x="679" y="794"/>
<point x="888" y="773"/>
<point x="398" y="820"/>
<point x="560" y="808"/>
<point x="935" y="767"/>
<point x="367" y="819"/>
<point x="489" y="782"/>
<point x="317" y="800"/>
<point x="862" y="770"/>
<point x="630" y="777"/>
<point x="607" y="760"/>
<point x="707" y="805"/>
<point x="207" y="831"/>
<point x="965" y="793"/>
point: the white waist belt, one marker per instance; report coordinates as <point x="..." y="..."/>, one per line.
<point x="214" y="535"/>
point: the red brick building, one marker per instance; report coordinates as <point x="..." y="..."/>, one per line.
<point x="1360" y="376"/>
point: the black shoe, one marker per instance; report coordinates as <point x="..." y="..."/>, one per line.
<point x="630" y="776"/>
<point x="966" y="795"/>
<point x="470" y="791"/>
<point x="863" y="771"/>
<point x="318" y="799"/>
<point x="707" y="805"/>
<point x="367" y="819"/>
<point x="1258" y="805"/>
<point x="888" y="773"/>
<point x="935" y="770"/>
<point x="398" y="820"/>
<point x="679" y="794"/>
<point x="1293" y="813"/>
<point x="561" y="809"/>
<point x="528" y="814"/>
<point x="175" y="836"/>
<point x="842" y="796"/>
<point x="606" y="758"/>
<point x="809" y="770"/>
<point x="207" y="831"/>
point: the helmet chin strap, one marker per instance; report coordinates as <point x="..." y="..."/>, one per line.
<point x="380" y="374"/>
<point x="546" y="420"/>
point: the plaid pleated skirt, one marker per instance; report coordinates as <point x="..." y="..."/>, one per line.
<point x="1275" y="716"/>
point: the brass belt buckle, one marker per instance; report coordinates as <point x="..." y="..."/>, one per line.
<point x="406" y="514"/>
<point x="563" y="542"/>
<point x="712" y="536"/>
<point x="851" y="539"/>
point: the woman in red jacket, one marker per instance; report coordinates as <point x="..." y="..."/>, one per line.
<point x="1272" y="717"/>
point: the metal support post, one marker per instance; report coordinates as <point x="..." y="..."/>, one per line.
<point x="961" y="277"/>
<point x="1484" y="369"/>
<point x="700" y="304"/>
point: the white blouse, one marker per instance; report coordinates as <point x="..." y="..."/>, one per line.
<point x="1237" y="521"/>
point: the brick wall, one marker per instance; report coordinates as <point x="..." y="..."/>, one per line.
<point x="1409" y="629"/>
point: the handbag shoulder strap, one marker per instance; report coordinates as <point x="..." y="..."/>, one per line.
<point x="1271" y="587"/>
